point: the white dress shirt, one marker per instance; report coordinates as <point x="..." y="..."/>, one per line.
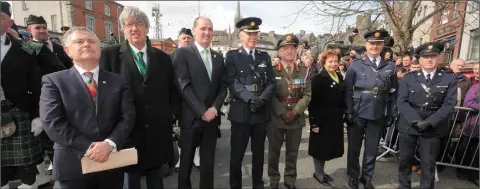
<point x="248" y="51"/>
<point x="95" y="71"/>
<point x="4" y="48"/>
<point x="209" y="54"/>
<point x="377" y="59"/>
<point x="431" y="74"/>
<point x="144" y="50"/>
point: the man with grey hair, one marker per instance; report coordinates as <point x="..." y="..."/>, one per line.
<point x="150" y="74"/>
<point x="88" y="112"/>
<point x="463" y="82"/>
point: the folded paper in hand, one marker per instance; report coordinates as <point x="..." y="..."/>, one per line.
<point x="118" y="159"/>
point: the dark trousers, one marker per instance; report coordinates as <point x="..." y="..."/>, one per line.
<point x="154" y="178"/>
<point x="26" y="174"/>
<point x="276" y="137"/>
<point x="111" y="179"/>
<point x="372" y="129"/>
<point x="467" y="155"/>
<point x="428" y="147"/>
<point x="204" y="136"/>
<point x="241" y="133"/>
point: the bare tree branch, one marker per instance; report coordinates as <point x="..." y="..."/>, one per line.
<point x="442" y="7"/>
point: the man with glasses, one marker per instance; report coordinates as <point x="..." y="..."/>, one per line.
<point x="151" y="77"/>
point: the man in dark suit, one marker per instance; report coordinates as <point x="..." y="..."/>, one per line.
<point x="87" y="112"/>
<point x="370" y="91"/>
<point x="51" y="58"/>
<point x="202" y="85"/>
<point x="252" y="84"/>
<point x="426" y="99"/>
<point x="149" y="72"/>
<point x="21" y="83"/>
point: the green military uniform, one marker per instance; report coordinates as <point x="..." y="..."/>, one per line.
<point x="292" y="95"/>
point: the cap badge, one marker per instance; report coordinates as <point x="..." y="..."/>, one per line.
<point x="288" y="38"/>
<point x="377" y="34"/>
<point x="252" y="23"/>
<point x="430" y="47"/>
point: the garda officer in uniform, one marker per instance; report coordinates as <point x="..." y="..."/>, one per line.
<point x="370" y="93"/>
<point x="426" y="98"/>
<point x="291" y="99"/>
<point x="251" y="83"/>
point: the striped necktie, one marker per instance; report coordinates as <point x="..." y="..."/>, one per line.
<point x="91" y="85"/>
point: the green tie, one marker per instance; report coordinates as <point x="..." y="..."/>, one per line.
<point x="141" y="63"/>
<point x="206" y="61"/>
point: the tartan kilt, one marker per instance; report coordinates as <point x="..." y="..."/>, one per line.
<point x="22" y="148"/>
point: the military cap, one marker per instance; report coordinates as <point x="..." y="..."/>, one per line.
<point x="249" y="24"/>
<point x="32" y="19"/>
<point x="65" y="28"/>
<point x="186" y="32"/>
<point x="288" y="39"/>
<point x="5" y="8"/>
<point x="376" y="35"/>
<point x="430" y="48"/>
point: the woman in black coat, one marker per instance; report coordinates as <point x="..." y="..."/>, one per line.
<point x="326" y="111"/>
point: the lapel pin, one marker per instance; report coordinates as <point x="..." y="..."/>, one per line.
<point x="440" y="74"/>
<point x="418" y="74"/>
<point x="104" y="82"/>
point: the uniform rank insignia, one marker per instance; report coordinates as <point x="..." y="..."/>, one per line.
<point x="262" y="65"/>
<point x="278" y="77"/>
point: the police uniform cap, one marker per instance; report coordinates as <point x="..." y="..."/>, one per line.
<point x="376" y="35"/>
<point x="5" y="8"/>
<point x="430" y="48"/>
<point x="186" y="32"/>
<point x="65" y="28"/>
<point x="249" y="24"/>
<point x="32" y="19"/>
<point x="288" y="39"/>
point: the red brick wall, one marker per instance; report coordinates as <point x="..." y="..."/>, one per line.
<point x="98" y="11"/>
<point x="453" y="27"/>
<point x="168" y="46"/>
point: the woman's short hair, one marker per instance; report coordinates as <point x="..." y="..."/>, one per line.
<point x="328" y="53"/>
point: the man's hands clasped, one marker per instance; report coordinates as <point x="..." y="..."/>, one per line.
<point x="99" y="151"/>
<point x="290" y="116"/>
<point x="209" y="115"/>
<point x="256" y="104"/>
<point x="420" y="125"/>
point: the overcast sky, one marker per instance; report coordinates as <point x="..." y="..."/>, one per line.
<point x="276" y="15"/>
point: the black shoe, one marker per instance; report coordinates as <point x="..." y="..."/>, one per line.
<point x="324" y="181"/>
<point x="290" y="186"/>
<point x="328" y="177"/>
<point x="353" y="183"/>
<point x="367" y="184"/>
<point x="273" y="186"/>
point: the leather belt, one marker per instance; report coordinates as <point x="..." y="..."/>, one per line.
<point x="424" y="107"/>
<point x="288" y="100"/>
<point x="254" y="88"/>
<point x="374" y="91"/>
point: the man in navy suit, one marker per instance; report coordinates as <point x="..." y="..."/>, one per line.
<point x="87" y="112"/>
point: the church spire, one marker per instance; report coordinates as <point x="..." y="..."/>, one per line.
<point x="238" y="14"/>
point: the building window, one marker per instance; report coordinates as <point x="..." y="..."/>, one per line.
<point x="108" y="29"/>
<point x="474" y="44"/>
<point x="421" y="40"/>
<point x="90" y="23"/>
<point x="24" y="5"/>
<point x="107" y="10"/>
<point x="88" y="5"/>
<point x="53" y="22"/>
<point x="25" y="21"/>
<point x="475" y="6"/>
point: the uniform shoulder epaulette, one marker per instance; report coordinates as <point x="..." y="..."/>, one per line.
<point x="32" y="48"/>
<point x="262" y="52"/>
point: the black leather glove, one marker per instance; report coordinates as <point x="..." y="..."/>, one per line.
<point x="350" y="119"/>
<point x="390" y="121"/>
<point x="255" y="104"/>
<point x="420" y="125"/>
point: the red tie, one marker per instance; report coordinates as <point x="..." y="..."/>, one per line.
<point x="91" y="85"/>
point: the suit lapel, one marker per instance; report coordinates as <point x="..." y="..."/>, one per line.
<point x="215" y="66"/>
<point x="152" y="62"/>
<point x="420" y="77"/>
<point x="258" y="58"/>
<point x="127" y="59"/>
<point x="382" y="63"/>
<point x="436" y="78"/>
<point x="102" y="87"/>
<point x="194" y="49"/>
<point x="11" y="53"/>
<point x="80" y="85"/>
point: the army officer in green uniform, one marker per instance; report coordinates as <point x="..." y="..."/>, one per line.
<point x="291" y="98"/>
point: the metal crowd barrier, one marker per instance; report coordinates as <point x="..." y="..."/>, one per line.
<point x="459" y="149"/>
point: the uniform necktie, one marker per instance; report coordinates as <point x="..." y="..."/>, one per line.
<point x="374" y="61"/>
<point x="289" y="70"/>
<point x="141" y="64"/>
<point x="91" y="85"/>
<point x="206" y="61"/>
<point x="251" y="55"/>
<point x="428" y="79"/>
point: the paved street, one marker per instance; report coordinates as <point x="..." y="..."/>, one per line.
<point x="385" y="171"/>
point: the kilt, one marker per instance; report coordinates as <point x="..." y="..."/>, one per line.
<point x="22" y="148"/>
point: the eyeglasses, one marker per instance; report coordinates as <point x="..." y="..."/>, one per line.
<point x="130" y="25"/>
